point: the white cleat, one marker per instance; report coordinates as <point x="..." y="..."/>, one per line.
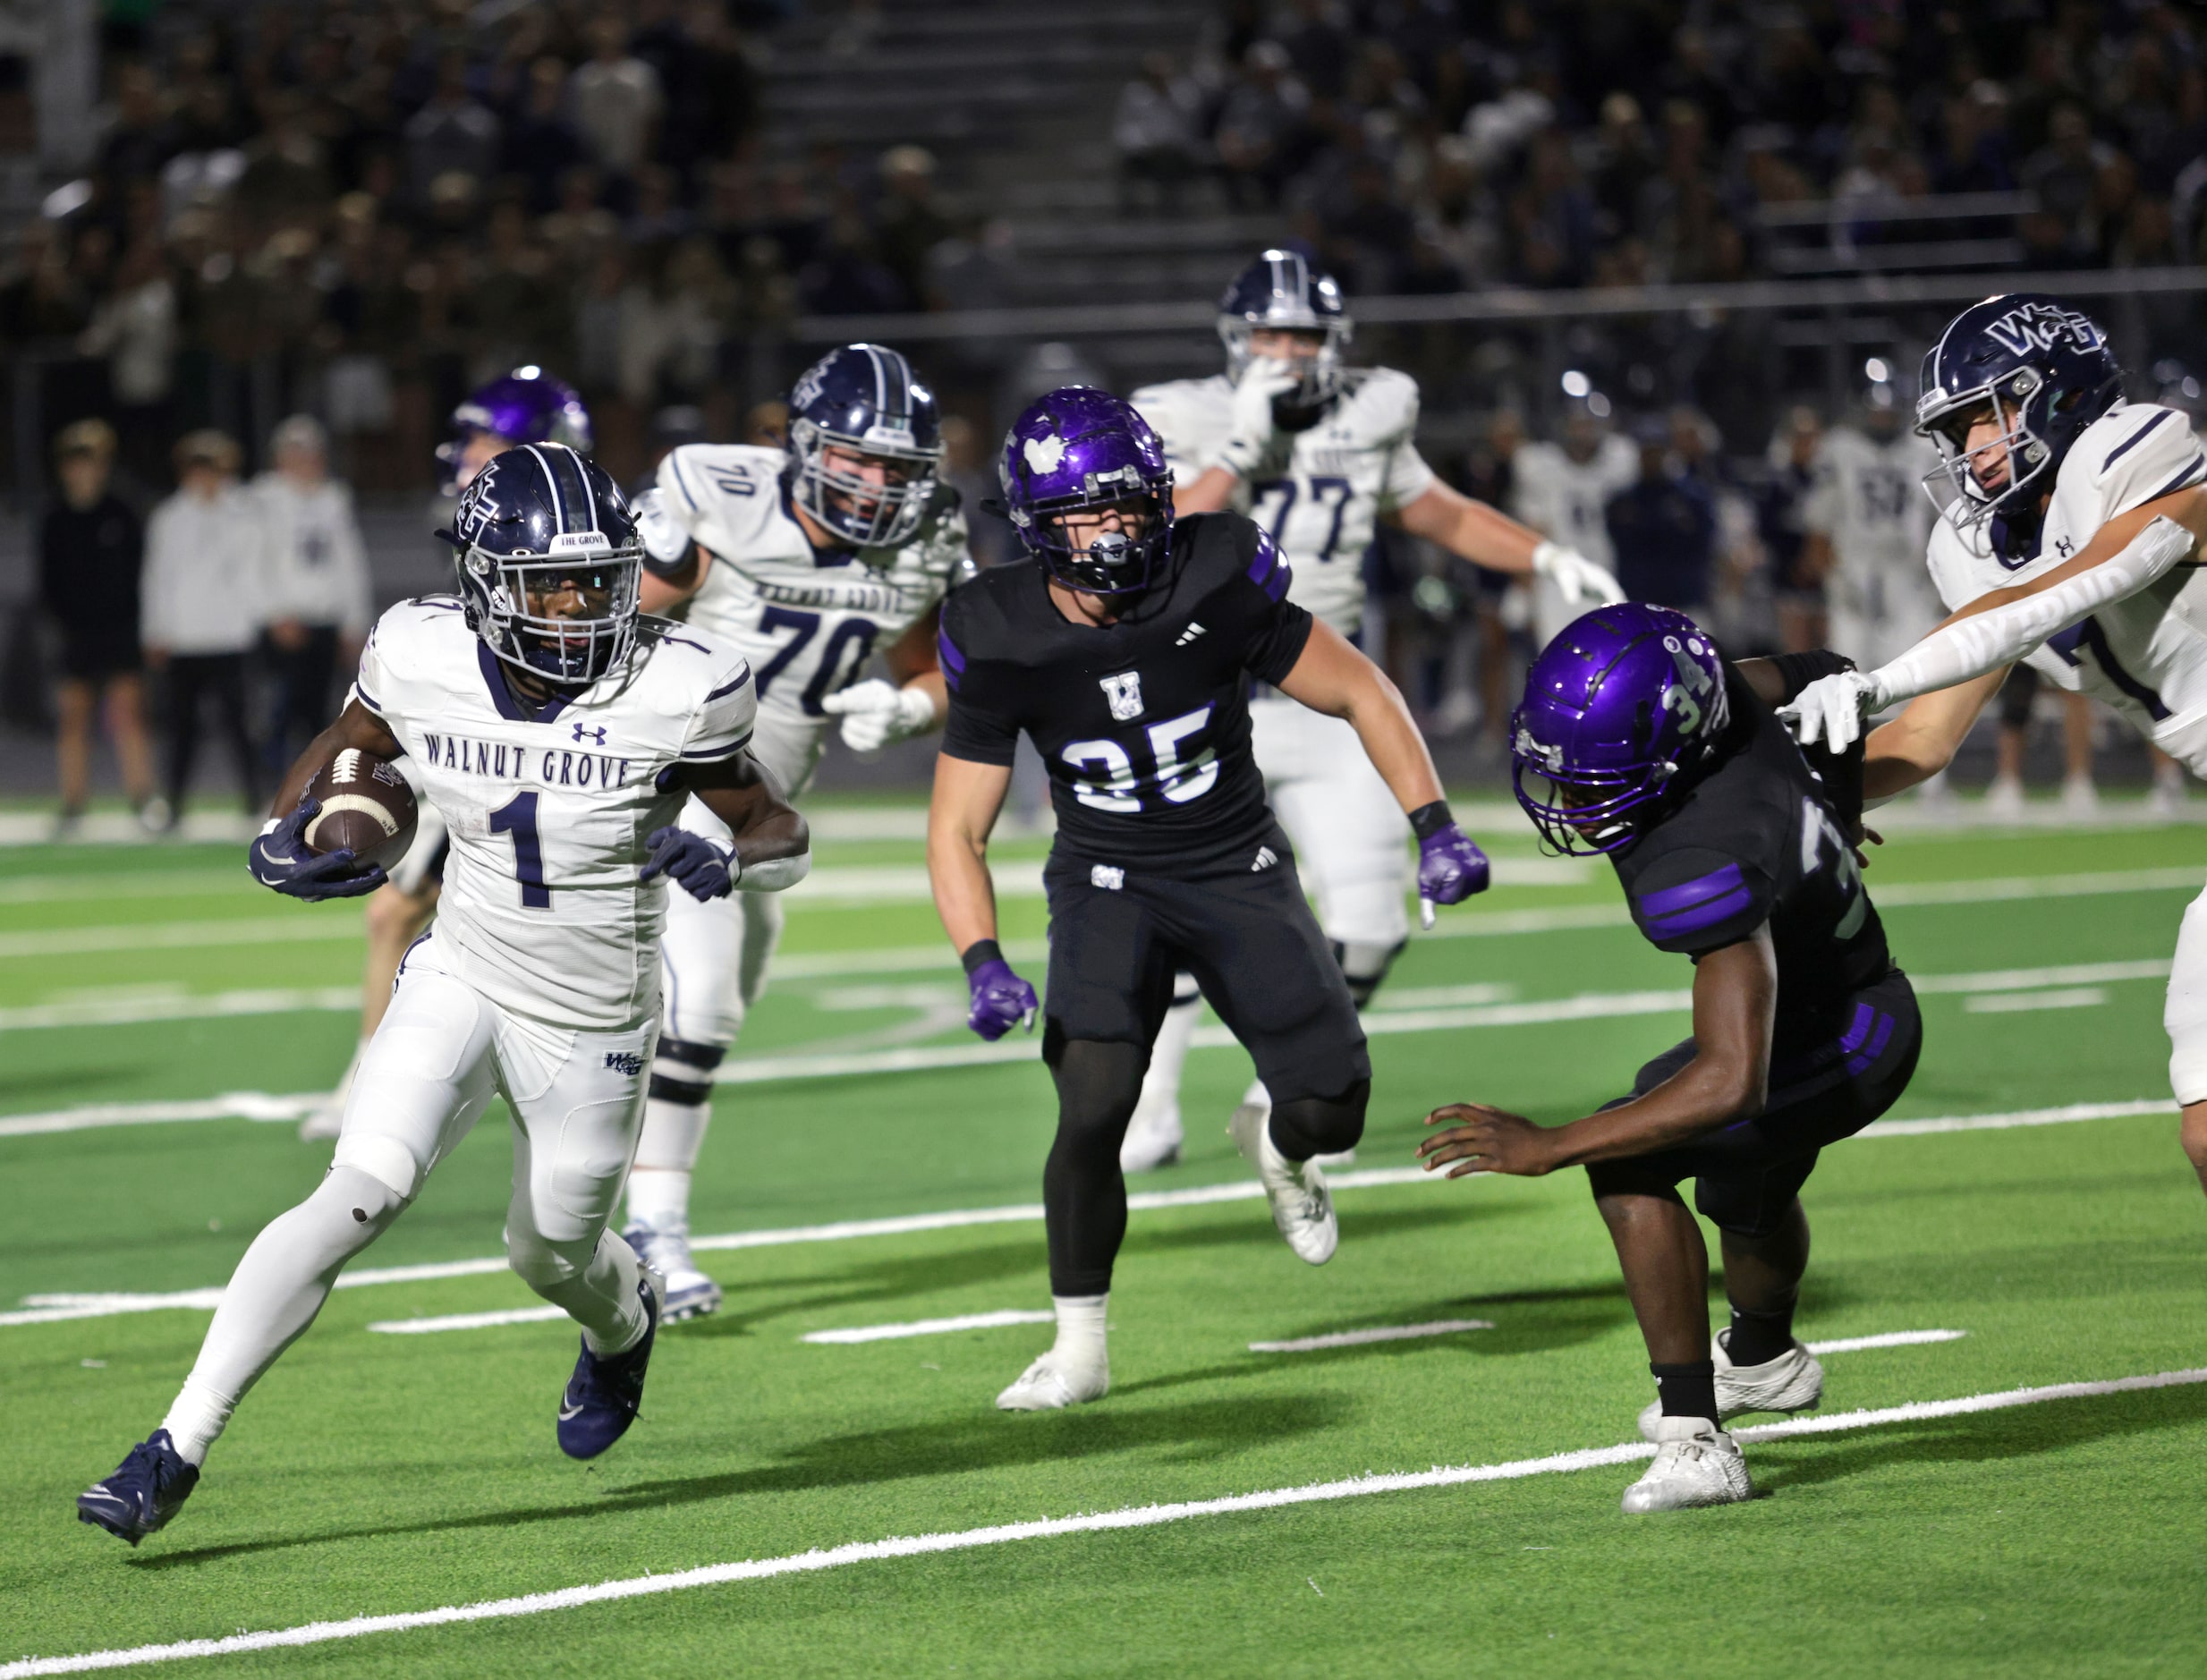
<point x="1301" y="1206"/>
<point x="1056" y="1381"/>
<point x="1696" y="1463"/>
<point x="1153" y="1136"/>
<point x="686" y="1291"/>
<point x="1792" y="1382"/>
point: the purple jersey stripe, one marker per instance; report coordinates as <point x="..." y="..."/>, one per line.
<point x="2134" y="440"/>
<point x="1696" y="917"/>
<point x="744" y="677"/>
<point x="1264" y="562"/>
<point x="1669" y="899"/>
<point x="1276" y="585"/>
<point x="1860" y="1061"/>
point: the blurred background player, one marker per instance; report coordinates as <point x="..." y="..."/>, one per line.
<point x="1562" y="490"/>
<point x="810" y="560"/>
<point x="1781" y="499"/>
<point x="91" y="549"/>
<point x="527" y="406"/>
<point x="1317" y="452"/>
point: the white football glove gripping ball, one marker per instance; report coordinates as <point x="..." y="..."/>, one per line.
<point x="1832" y="708"/>
<point x="1264" y="380"/>
<point x="875" y="713"/>
<point x="1582" y="582"/>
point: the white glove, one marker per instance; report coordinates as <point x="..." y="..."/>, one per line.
<point x="1579" y="578"/>
<point x="875" y="713"/>
<point x="666" y="546"/>
<point x="1263" y="380"/>
<point x="1832" y="708"/>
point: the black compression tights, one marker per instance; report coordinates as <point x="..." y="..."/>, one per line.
<point x="1083" y="1191"/>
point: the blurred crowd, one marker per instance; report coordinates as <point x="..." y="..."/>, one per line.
<point x="1427" y="145"/>
<point x="384" y="202"/>
<point x="244" y="602"/>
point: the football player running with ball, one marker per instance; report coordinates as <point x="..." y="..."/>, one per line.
<point x="1124" y="648"/>
<point x="808" y="561"/>
<point x="1316" y="454"/>
<point x="560" y="735"/>
<point x="1637" y="741"/>
<point x="2071" y="541"/>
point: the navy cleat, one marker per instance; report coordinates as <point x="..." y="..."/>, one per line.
<point x="605" y="1390"/>
<point x="145" y="1491"/>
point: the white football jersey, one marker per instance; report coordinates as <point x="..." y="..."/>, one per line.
<point x="1869" y="503"/>
<point x="1568" y="500"/>
<point x="542" y="912"/>
<point x="2146" y="656"/>
<point x="807" y="619"/>
<point x="1319" y="492"/>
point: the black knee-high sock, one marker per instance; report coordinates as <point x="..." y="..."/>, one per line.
<point x="1688" y="1390"/>
<point x="1756" y="1339"/>
<point x="1083" y="1191"/>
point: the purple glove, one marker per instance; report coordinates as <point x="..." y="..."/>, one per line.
<point x="1001" y="999"/>
<point x="702" y="870"/>
<point x="1450" y="866"/>
<point x="279" y="859"/>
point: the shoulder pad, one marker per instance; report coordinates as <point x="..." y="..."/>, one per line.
<point x="2137" y="452"/>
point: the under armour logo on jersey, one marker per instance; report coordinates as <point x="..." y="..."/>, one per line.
<point x="1123" y="692"/>
<point x="583" y="732"/>
<point x="1266" y="859"/>
<point x="1189" y="634"/>
<point x="629" y="1062"/>
<point x="2062" y="546"/>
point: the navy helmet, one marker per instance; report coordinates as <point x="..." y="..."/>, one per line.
<point x="1280" y="291"/>
<point x="538" y="524"/>
<point x="1620" y="712"/>
<point x="864" y="400"/>
<point x="1079" y="450"/>
<point x="2043" y="368"/>
<point x="525" y="406"/>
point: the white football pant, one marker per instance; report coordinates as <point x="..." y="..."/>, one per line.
<point x="1352" y="840"/>
<point x="2185" y="1015"/>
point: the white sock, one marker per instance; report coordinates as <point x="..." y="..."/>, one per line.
<point x="1080" y="1326"/>
<point x="658" y="1197"/>
<point x="666" y="1152"/>
<point x="197" y="1419"/>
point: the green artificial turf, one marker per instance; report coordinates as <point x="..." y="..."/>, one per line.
<point x="373" y="1473"/>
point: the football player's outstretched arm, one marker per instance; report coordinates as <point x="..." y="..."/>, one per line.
<point x="1735" y="1005"/>
<point x="356" y="726"/>
<point x="772" y="843"/>
<point x="1922" y="740"/>
<point x="959" y="817"/>
<point x="1487" y="536"/>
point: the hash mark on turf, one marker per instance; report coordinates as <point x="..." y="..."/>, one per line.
<point x="1381" y="1333"/>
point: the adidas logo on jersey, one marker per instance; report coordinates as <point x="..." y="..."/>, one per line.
<point x="1189" y="634"/>
<point x="1266" y="859"/>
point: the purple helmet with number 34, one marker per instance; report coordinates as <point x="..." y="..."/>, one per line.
<point x="1079" y="450"/>
<point x="1618" y="711"/>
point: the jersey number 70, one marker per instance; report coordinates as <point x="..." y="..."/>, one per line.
<point x="1107" y="777"/>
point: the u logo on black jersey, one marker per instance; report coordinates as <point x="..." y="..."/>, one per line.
<point x="1123" y="692"/>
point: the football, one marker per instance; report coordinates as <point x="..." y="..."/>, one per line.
<point x="366" y="807"/>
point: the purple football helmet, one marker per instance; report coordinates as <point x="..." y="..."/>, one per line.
<point x="1078" y="449"/>
<point x="527" y="406"/>
<point x="1621" y="705"/>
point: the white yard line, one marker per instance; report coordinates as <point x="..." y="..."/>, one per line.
<point x="1380" y="1333"/>
<point x="178" y="1005"/>
<point x="1890" y="1339"/>
<point x="48" y="1309"/>
<point x="2019" y="1002"/>
<point x="930" y="1327"/>
<point x="467" y="1321"/>
<point x="1050" y="1528"/>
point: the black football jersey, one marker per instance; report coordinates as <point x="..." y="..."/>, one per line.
<point x="1144" y="723"/>
<point x="1761" y="838"/>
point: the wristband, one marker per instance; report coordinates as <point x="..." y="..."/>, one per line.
<point x="1428" y="820"/>
<point x="1797" y="671"/>
<point x="980" y="952"/>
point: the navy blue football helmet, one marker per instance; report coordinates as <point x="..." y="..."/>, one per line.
<point x="538" y="525"/>
<point x="2048" y="370"/>
<point x="1281" y="290"/>
<point x="865" y="400"/>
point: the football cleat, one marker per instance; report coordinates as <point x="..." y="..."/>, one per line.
<point x="144" y="1491"/>
<point x="1154" y="1135"/>
<point x="690" y="1293"/>
<point x="1057" y="1380"/>
<point x="1301" y="1206"/>
<point x="1792" y="1382"/>
<point x="606" y="1390"/>
<point x="1696" y="1463"/>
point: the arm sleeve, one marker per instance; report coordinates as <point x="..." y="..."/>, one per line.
<point x="976" y="729"/>
<point x="1696" y="900"/>
<point x="1278" y="628"/>
<point x="1975" y="646"/>
<point x="721" y="726"/>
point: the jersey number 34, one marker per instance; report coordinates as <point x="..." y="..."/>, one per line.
<point x="1107" y="777"/>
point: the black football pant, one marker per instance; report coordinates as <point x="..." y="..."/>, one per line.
<point x="197" y="680"/>
<point x="1826" y="1083"/>
<point x="1118" y="938"/>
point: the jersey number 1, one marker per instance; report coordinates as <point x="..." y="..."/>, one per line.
<point x="518" y="817"/>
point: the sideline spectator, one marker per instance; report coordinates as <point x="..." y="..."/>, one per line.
<point x="1663" y="528"/>
<point x="1154" y="133"/>
<point x="205" y="581"/>
<point x="617" y="99"/>
<point x="318" y="601"/>
<point x="90" y="551"/>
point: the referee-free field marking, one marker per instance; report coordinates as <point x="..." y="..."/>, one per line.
<point x="1051" y="1528"/>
